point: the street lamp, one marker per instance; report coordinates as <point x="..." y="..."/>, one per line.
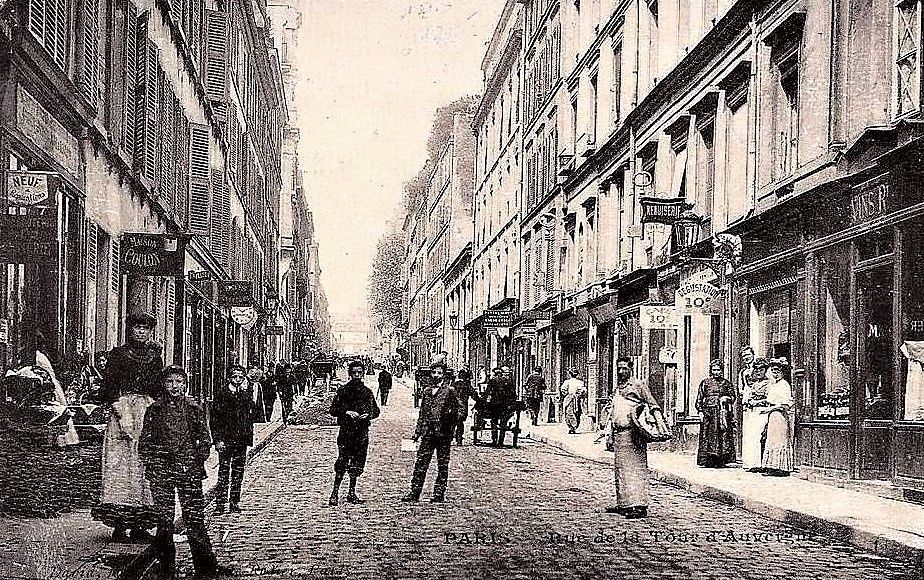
<point x="271" y="300"/>
<point x="726" y="248"/>
<point x="453" y="320"/>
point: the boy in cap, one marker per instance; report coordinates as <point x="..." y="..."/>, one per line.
<point x="354" y="407"/>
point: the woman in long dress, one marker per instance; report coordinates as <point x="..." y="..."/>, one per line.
<point x="573" y="392"/>
<point x="778" y="452"/>
<point x="754" y="417"/>
<point x="716" y="432"/>
<point x="630" y="458"/>
<point x="131" y="382"/>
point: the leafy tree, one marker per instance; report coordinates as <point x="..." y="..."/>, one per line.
<point x="386" y="282"/>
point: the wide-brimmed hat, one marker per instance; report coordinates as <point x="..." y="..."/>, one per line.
<point x="780" y="362"/>
<point x="141" y="317"/>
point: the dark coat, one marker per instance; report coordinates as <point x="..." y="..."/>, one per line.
<point x="131" y="370"/>
<point x="439" y="413"/>
<point x="354" y="396"/>
<point x="385" y="380"/>
<point x="500" y="396"/>
<point x="175" y="439"/>
<point x="285" y="387"/>
<point x="535" y="386"/>
<point x="233" y="416"/>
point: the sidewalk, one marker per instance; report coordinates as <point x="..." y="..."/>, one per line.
<point x="886" y="527"/>
<point x="76" y="546"/>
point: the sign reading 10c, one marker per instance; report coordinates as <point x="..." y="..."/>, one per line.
<point x="699" y="298"/>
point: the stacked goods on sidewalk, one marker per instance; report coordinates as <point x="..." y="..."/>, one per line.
<point x="313" y="411"/>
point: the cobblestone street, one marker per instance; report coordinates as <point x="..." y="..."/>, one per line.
<point x="532" y="512"/>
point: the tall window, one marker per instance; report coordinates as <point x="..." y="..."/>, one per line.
<point x="907" y="60"/>
<point x="786" y="117"/>
<point x="592" y="128"/>
<point x="705" y="161"/>
<point x="616" y="87"/>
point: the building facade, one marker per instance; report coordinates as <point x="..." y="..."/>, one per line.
<point x="145" y="137"/>
<point x="498" y="172"/>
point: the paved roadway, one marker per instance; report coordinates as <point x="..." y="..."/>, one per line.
<point x="532" y="512"/>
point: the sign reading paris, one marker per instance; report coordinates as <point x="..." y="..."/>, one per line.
<point x="153" y="254"/>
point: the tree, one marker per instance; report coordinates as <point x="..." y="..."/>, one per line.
<point x="386" y="282"/>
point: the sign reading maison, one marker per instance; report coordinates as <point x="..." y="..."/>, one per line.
<point x="153" y="254"/>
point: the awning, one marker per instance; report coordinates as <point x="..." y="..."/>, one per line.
<point x="572" y="320"/>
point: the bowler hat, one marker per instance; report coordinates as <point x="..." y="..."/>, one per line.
<point x="141" y="317"/>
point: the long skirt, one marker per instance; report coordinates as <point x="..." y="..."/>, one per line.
<point x="778" y="452"/>
<point x="716" y="445"/>
<point x="126" y="500"/>
<point x="631" y="466"/>
<point x="571" y="408"/>
<point x="753" y="426"/>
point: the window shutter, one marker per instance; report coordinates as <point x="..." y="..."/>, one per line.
<point x="182" y="158"/>
<point x="130" y="64"/>
<point x="220" y="238"/>
<point x="171" y="298"/>
<point x="146" y="111"/>
<point x="89" y="80"/>
<point x="200" y="197"/>
<point x="115" y="274"/>
<point x="216" y="56"/>
<point x="91" y="254"/>
<point x="37" y="10"/>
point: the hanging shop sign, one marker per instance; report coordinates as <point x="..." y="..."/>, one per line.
<point x="658" y="318"/>
<point x="659" y="210"/>
<point x="245" y="316"/>
<point x="148" y="254"/>
<point x="235" y="293"/>
<point x="699" y="298"/>
<point x="274" y="330"/>
<point x="498" y="318"/>
<point x="29" y="239"/>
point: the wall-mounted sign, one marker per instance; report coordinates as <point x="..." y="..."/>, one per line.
<point x="153" y="254"/>
<point x="274" y="330"/>
<point x="699" y="298"/>
<point x="31" y="188"/>
<point x="497" y="318"/>
<point x="659" y="210"/>
<point x="658" y="317"/>
<point x="199" y="276"/>
<point x="40" y="127"/>
<point x="29" y="239"/>
<point x="870" y="200"/>
<point x="235" y="293"/>
<point x="4" y="331"/>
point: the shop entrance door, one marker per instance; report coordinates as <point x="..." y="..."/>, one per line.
<point x="874" y="369"/>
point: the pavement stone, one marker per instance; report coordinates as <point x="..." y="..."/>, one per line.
<point x="531" y="512"/>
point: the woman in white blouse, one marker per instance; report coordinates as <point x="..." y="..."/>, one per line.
<point x="778" y="453"/>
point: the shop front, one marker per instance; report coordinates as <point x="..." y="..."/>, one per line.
<point x="842" y="301"/>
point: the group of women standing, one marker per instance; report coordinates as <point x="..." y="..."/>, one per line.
<point x="767" y="416"/>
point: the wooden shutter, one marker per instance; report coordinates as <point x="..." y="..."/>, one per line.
<point x="146" y="111"/>
<point x="200" y="195"/>
<point x="220" y="238"/>
<point x="181" y="195"/>
<point x="89" y="79"/>
<point x="216" y="55"/>
<point x="130" y="65"/>
<point x="115" y="273"/>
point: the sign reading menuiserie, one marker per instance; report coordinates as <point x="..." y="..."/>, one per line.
<point x="149" y="254"/>
<point x="235" y="293"/>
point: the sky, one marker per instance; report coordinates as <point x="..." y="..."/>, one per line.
<point x="372" y="73"/>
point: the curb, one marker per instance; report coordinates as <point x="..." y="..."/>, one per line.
<point x="141" y="564"/>
<point x="849" y="534"/>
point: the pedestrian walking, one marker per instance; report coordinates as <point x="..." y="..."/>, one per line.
<point x="500" y="395"/>
<point x="717" y="428"/>
<point x="464" y="392"/>
<point x="630" y="461"/>
<point x="354" y="408"/>
<point x="754" y="417"/>
<point x="534" y="391"/>
<point x="174" y="445"/>
<point x="131" y="383"/>
<point x="233" y="414"/>
<point x="385" y="383"/>
<point x="285" y="389"/>
<point x="255" y="382"/>
<point x="573" y="393"/>
<point x="778" y="451"/>
<point x="269" y="391"/>
<point x="436" y="424"/>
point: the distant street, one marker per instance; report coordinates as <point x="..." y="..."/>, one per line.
<point x="548" y="524"/>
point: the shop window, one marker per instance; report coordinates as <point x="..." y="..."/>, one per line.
<point x="912" y="321"/>
<point x="833" y="335"/>
<point x="874" y="340"/>
<point x="771" y="335"/>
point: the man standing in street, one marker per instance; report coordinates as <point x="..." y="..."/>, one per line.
<point x="436" y="424"/>
<point x="233" y="414"/>
<point x="285" y="388"/>
<point x="385" y="382"/>
<point x="502" y="395"/>
<point x="534" y="391"/>
<point x="354" y="408"/>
